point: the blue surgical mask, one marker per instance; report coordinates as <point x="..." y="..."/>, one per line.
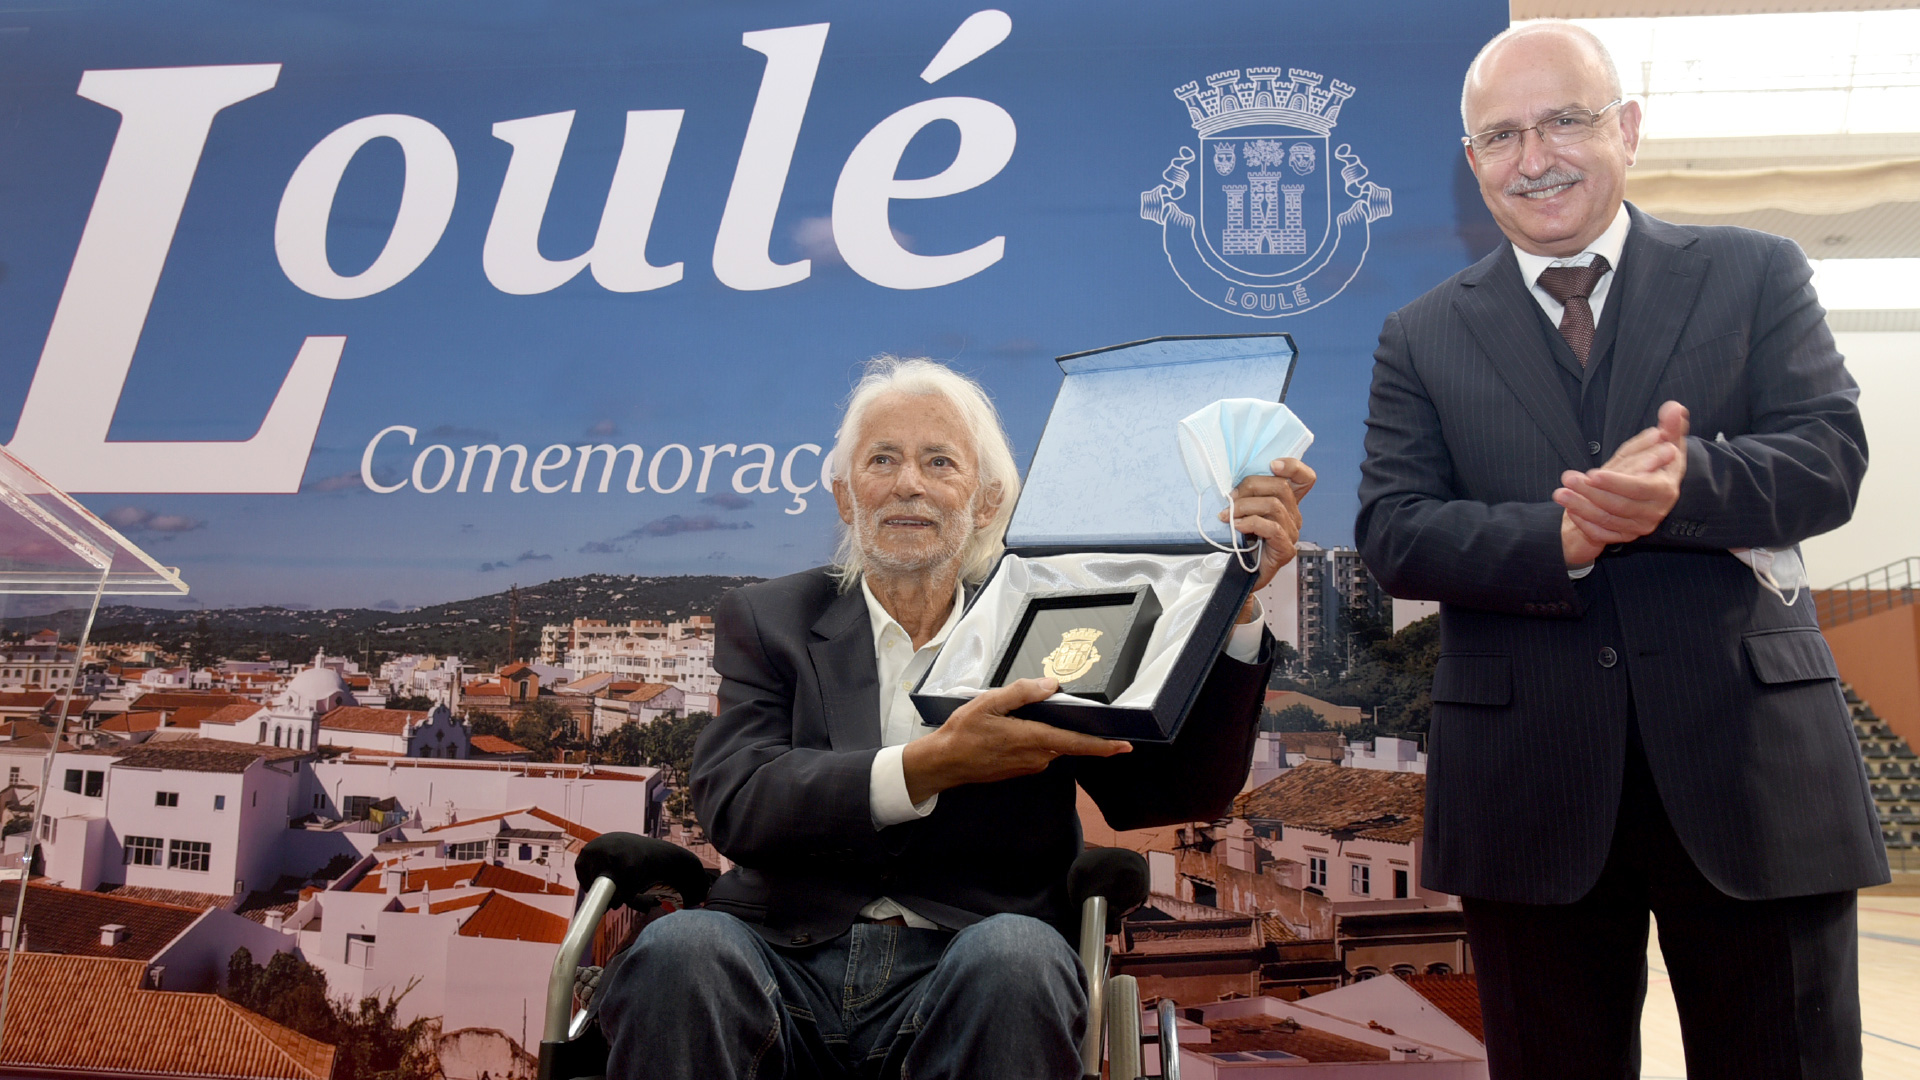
<point x="1230" y="440"/>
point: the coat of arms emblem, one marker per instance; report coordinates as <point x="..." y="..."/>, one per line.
<point x="1074" y="656"/>
<point x="1269" y="233"/>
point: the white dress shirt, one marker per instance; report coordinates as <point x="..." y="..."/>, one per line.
<point x="901" y="666"/>
<point x="1610" y="243"/>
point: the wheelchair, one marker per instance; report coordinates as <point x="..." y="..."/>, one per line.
<point x="641" y="873"/>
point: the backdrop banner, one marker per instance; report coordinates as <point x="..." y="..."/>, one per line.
<point x="387" y="305"/>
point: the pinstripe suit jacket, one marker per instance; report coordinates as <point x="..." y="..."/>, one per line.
<point x="1539" y="676"/>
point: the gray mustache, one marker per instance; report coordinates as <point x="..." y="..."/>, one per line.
<point x="1553" y="177"/>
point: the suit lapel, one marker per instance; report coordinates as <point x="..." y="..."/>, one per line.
<point x="848" y="677"/>
<point x="1500" y="314"/>
<point x="1661" y="279"/>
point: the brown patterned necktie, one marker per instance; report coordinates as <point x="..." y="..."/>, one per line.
<point x="1571" y="285"/>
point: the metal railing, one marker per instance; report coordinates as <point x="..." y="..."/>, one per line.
<point x="1889" y="587"/>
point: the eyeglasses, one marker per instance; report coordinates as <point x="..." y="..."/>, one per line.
<point x="1560" y="129"/>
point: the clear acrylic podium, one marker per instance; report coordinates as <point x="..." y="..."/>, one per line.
<point x="57" y="561"/>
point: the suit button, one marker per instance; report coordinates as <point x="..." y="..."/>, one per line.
<point x="1608" y="657"/>
<point x="1593" y="448"/>
<point x="801" y="939"/>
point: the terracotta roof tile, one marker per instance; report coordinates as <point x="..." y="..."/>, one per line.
<point x="40" y="742"/>
<point x="462" y="875"/>
<point x="646" y="692"/>
<point x="186" y="699"/>
<point x="26" y="699"/>
<point x="516" y="668"/>
<point x="69" y="921"/>
<point x="362" y="718"/>
<point x="202" y="755"/>
<point x="132" y="722"/>
<point x="502" y="918"/>
<point x="441" y="907"/>
<point x="87" y="1016"/>
<point x="197" y="901"/>
<point x="578" y="831"/>
<point x="494" y="744"/>
<point x="1368" y="803"/>
<point x="488" y="690"/>
<point x="191" y="716"/>
<point x="1280" y="1033"/>
<point x="571" y="828"/>
<point x="233" y="714"/>
<point x="1456" y="995"/>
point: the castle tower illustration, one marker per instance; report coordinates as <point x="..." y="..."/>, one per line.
<point x="1257" y="209"/>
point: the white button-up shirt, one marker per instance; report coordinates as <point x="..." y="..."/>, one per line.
<point x="901" y="666"/>
<point x="1610" y="243"/>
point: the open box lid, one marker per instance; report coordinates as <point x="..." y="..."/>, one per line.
<point x="1107" y="474"/>
<point x="51" y="544"/>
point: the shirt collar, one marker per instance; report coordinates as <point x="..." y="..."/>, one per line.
<point x="881" y="619"/>
<point x="1609" y="244"/>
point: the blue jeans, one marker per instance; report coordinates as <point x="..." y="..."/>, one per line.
<point x="701" y="996"/>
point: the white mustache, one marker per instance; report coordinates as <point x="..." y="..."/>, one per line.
<point x="1553" y="177"/>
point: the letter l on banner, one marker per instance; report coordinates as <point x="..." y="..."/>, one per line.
<point x="165" y="116"/>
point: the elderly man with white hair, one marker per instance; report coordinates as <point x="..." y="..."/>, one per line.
<point x="898" y="901"/>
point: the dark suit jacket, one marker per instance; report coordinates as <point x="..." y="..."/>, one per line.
<point x="780" y="780"/>
<point x="1736" y="695"/>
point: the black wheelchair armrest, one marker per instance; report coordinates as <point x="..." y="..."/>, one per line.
<point x="636" y="864"/>
<point x="1117" y="874"/>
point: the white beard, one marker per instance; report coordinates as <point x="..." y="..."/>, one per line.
<point x="953" y="529"/>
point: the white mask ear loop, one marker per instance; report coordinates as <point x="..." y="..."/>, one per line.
<point x="1773" y="586"/>
<point x="1239" y="552"/>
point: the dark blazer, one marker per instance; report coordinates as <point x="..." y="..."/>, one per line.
<point x="1736" y="695"/>
<point x="780" y="780"/>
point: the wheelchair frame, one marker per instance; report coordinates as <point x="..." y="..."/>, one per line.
<point x="571" y="1048"/>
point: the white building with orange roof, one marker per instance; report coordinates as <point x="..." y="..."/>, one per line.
<point x="1381" y="1028"/>
<point x="134" y="1029"/>
<point x="434" y="676"/>
<point x="176" y="678"/>
<point x="291" y="721"/>
<point x="474" y="940"/>
<point x="195" y="815"/>
<point x="530" y="838"/>
<point x="433" y="733"/>
<point x="643" y="705"/>
<point x="25" y="704"/>
<point x="190" y="941"/>
<point x="604" y="798"/>
<point x="679" y="654"/>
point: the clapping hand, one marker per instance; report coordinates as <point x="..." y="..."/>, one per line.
<point x="1629" y="496"/>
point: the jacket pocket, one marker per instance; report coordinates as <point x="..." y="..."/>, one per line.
<point x="1789" y="655"/>
<point x="1473" y="679"/>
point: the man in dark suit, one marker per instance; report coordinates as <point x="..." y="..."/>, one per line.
<point x="1566" y="444"/>
<point x="898" y="901"/>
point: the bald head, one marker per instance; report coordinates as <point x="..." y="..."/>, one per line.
<point x="1551" y="193"/>
<point x="1534" y="43"/>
